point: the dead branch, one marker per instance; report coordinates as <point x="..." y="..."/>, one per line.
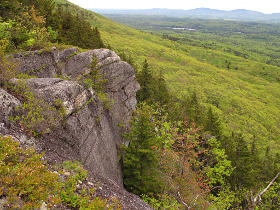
<point x="181" y="200"/>
<point x="258" y="197"/>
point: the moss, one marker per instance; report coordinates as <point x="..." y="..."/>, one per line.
<point x="37" y="69"/>
<point x="63" y="76"/>
<point x="40" y="52"/>
<point x="25" y="54"/>
<point x="106" y="101"/>
<point x="73" y="54"/>
<point x="24" y="76"/>
<point x="97" y="119"/>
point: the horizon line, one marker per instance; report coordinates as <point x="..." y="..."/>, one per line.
<point x="186" y="9"/>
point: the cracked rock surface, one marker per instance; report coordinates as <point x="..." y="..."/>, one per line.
<point x="82" y="137"/>
<point x="90" y="132"/>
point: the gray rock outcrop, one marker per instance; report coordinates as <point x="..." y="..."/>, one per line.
<point x="90" y="132"/>
<point x="8" y="106"/>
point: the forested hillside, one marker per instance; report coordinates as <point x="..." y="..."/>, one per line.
<point x="240" y="90"/>
<point x="206" y="131"/>
<point x="243" y="91"/>
<point x="29" y="25"/>
<point x="250" y="40"/>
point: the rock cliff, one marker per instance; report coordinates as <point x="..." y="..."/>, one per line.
<point x="91" y="132"/>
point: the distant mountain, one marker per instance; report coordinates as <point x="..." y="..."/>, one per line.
<point x="204" y="13"/>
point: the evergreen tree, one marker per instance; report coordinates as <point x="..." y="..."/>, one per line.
<point x="194" y="110"/>
<point x="140" y="159"/>
<point x="268" y="170"/>
<point x="253" y="147"/>
<point x="8" y="8"/>
<point x="72" y="29"/>
<point x="145" y="79"/>
<point x="213" y="123"/>
<point x="161" y="92"/>
<point x="243" y="175"/>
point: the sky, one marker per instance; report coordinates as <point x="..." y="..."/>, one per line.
<point x="265" y="6"/>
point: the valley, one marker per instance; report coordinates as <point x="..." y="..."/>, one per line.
<point x="231" y="72"/>
<point x="138" y="109"/>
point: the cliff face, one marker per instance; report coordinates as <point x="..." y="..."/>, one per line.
<point x="90" y="132"/>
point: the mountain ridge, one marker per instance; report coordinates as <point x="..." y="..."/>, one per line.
<point x="205" y="13"/>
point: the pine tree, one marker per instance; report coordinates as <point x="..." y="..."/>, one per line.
<point x="161" y="94"/>
<point x="276" y="163"/>
<point x="243" y="175"/>
<point x="268" y="171"/>
<point x="194" y="110"/>
<point x="140" y="159"/>
<point x="8" y="8"/>
<point x="145" y="79"/>
<point x="213" y="123"/>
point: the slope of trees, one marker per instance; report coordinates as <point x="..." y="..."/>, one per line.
<point x="171" y="158"/>
<point x="182" y="151"/>
<point x="245" y="95"/>
<point x="29" y="24"/>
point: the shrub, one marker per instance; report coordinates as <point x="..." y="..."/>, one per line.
<point x="95" y="79"/>
<point x="7" y="71"/>
<point x="26" y="182"/>
<point x="37" y="116"/>
<point x="105" y="100"/>
<point x="163" y="201"/>
<point x="24" y="178"/>
<point x="84" y="198"/>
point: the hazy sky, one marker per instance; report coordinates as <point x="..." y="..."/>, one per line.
<point x="265" y="6"/>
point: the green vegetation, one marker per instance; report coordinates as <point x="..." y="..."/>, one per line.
<point x="173" y="162"/>
<point x="162" y="202"/>
<point x="27" y="183"/>
<point x="36" y="115"/>
<point x="252" y="40"/>
<point x="206" y="133"/>
<point x="140" y="159"/>
<point x="245" y="95"/>
<point x="153" y="87"/>
<point x="30" y="25"/>
<point x="7" y="71"/>
<point x="95" y="79"/>
<point x="199" y="167"/>
<point x="84" y="198"/>
<point x="24" y="178"/>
